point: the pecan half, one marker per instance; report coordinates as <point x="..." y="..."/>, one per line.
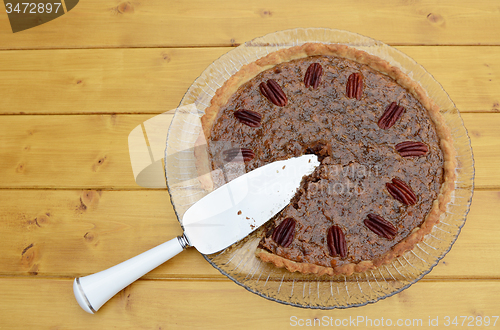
<point x="231" y="154"/>
<point x="248" y="117"/>
<point x="336" y="242"/>
<point x="273" y="92"/>
<point x="283" y="234"/>
<point x="401" y="191"/>
<point x="380" y="226"/>
<point x="410" y="148"/>
<point x="390" y="116"/>
<point x="313" y="75"/>
<point x="354" y="86"/>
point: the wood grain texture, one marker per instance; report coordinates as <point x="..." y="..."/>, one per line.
<point x="72" y="233"/>
<point x="75" y="233"/>
<point x="67" y="151"/>
<point x="99" y="81"/>
<point x="485" y="141"/>
<point x="158" y="23"/>
<point x="91" y="151"/>
<point x="72" y="90"/>
<point x="202" y="305"/>
<point x="154" y="80"/>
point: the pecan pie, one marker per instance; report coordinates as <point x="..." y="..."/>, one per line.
<point x="387" y="163"/>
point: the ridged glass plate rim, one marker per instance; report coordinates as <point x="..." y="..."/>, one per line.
<point x="407" y="269"/>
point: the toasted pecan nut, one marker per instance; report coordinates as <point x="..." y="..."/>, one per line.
<point x="283" y="234"/>
<point x="354" y="86"/>
<point x="335" y="239"/>
<point x="390" y="116"/>
<point x="410" y="148"/>
<point x="273" y="92"/>
<point x="313" y="75"/>
<point x="401" y="191"/>
<point x="232" y="154"/>
<point x="248" y="117"/>
<point x="380" y="226"/>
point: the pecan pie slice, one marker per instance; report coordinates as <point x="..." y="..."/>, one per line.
<point x="387" y="166"/>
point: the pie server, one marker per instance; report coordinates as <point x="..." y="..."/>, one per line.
<point x="215" y="222"/>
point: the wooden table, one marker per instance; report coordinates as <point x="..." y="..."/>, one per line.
<point x="71" y="90"/>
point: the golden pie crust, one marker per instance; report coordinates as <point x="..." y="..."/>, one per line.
<point x="439" y="205"/>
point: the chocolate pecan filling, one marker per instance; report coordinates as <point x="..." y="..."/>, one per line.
<point x="381" y="164"/>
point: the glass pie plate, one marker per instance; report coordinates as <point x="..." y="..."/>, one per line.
<point x="238" y="262"/>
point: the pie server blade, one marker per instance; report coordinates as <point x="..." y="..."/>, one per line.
<point x="216" y="221"/>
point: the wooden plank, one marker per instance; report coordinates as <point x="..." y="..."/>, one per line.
<point x="70" y="233"/>
<point x="485" y="141"/>
<point x="91" y="151"/>
<point x="73" y="233"/>
<point x="30" y="304"/>
<point x="157" y="23"/>
<point x="475" y="240"/>
<point x="469" y="75"/>
<point x="99" y="81"/>
<point x="67" y="151"/>
<point x="154" y="80"/>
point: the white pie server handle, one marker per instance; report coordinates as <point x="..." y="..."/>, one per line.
<point x="94" y="290"/>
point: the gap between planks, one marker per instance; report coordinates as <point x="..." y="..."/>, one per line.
<point x="230" y="45"/>
<point x="223" y="278"/>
